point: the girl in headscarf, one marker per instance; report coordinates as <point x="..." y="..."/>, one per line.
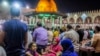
<point x="68" y="48"/>
<point x="56" y="47"/>
<point x="48" y="51"/>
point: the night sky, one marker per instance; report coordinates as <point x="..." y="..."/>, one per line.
<point x="72" y="5"/>
<point x="69" y="5"/>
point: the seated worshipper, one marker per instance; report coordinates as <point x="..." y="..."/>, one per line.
<point x="32" y="50"/>
<point x="2" y="51"/>
<point x="48" y="51"/>
<point x="68" y="48"/>
<point x="56" y="47"/>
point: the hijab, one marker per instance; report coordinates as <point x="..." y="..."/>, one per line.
<point x="67" y="45"/>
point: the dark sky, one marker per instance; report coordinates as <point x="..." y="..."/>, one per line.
<point x="69" y="5"/>
<point x="72" y="5"/>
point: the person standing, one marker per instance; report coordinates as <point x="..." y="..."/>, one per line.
<point x="96" y="41"/>
<point x="40" y="36"/>
<point x="62" y="33"/>
<point x="80" y="32"/>
<point x="86" y="34"/>
<point x="50" y="35"/>
<point x="73" y="36"/>
<point x="91" y="32"/>
<point x="15" y="36"/>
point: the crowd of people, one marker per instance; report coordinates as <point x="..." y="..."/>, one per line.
<point x="59" y="41"/>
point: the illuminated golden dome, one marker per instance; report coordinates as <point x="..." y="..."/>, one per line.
<point x="46" y="6"/>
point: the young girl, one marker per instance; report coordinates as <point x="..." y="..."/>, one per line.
<point x="56" y="47"/>
<point x="32" y="50"/>
<point x="48" y="51"/>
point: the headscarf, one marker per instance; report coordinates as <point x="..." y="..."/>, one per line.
<point x="67" y="45"/>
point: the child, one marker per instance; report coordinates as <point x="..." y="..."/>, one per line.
<point x="48" y="51"/>
<point x="32" y="50"/>
<point x="56" y="47"/>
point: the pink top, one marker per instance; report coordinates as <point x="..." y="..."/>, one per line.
<point x="56" y="48"/>
<point x="49" y="54"/>
<point x="34" y="53"/>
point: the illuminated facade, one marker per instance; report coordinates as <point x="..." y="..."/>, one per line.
<point x="46" y="6"/>
<point x="84" y="18"/>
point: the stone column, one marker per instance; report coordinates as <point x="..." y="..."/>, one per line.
<point x="60" y="21"/>
<point x="29" y="20"/>
<point x="33" y="20"/>
<point x="36" y="18"/>
<point x="43" y="20"/>
<point x="52" y="21"/>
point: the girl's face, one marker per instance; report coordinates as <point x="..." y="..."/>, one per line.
<point x="54" y="42"/>
<point x="34" y="47"/>
<point x="47" y="48"/>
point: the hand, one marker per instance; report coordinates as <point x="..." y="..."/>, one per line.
<point x="43" y="52"/>
<point x="59" y="53"/>
<point x="50" y="50"/>
<point x="28" y="54"/>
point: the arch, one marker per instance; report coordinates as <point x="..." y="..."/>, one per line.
<point x="57" y="21"/>
<point x="79" y="20"/>
<point x="64" y="21"/>
<point x="71" y="20"/>
<point x="97" y="19"/>
<point x="48" y="20"/>
<point x="88" y="20"/>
